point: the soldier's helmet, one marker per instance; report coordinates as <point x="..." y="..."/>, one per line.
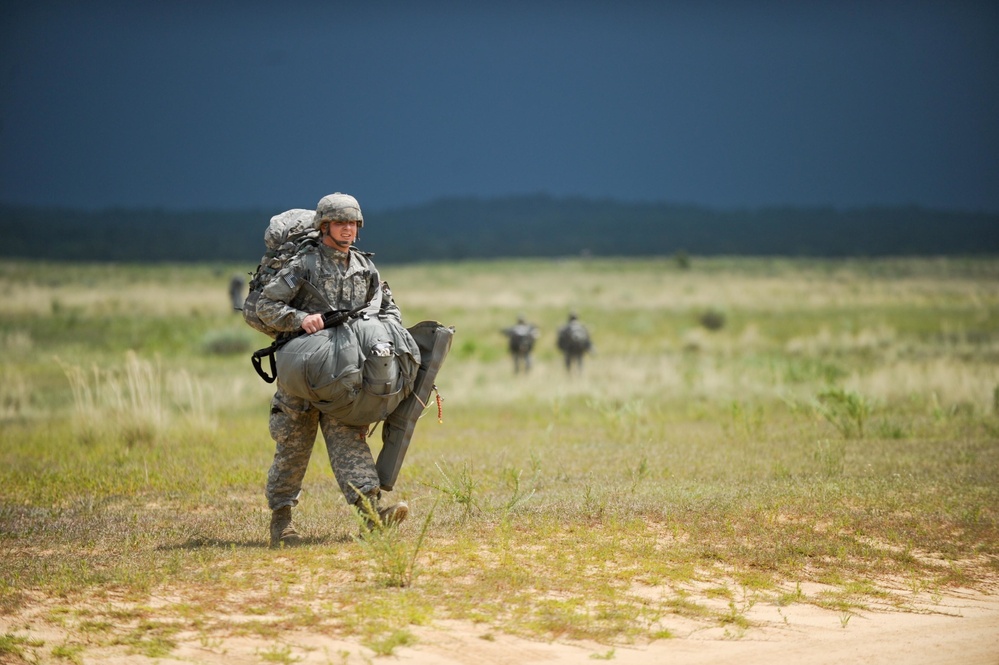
<point x="338" y="207"/>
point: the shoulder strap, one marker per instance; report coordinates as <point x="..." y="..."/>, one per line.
<point x="312" y="267"/>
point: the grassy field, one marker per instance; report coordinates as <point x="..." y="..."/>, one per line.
<point x="834" y="442"/>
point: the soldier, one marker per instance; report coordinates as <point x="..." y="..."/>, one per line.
<point x="236" y="286"/>
<point x="348" y="279"/>
<point x="573" y="340"/>
<point x="521" y="336"/>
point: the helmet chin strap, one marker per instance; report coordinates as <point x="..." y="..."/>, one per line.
<point x="341" y="245"/>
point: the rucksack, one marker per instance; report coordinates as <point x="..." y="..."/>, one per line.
<point x="287" y="234"/>
<point x="574" y="338"/>
<point x="521" y="337"/>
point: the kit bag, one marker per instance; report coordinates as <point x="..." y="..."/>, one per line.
<point x="287" y="234"/>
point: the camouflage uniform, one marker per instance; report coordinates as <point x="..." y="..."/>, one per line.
<point x="573" y="339"/>
<point x="521" y="336"/>
<point x="348" y="280"/>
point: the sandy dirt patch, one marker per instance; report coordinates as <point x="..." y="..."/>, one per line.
<point x="960" y="627"/>
<point x="957" y="628"/>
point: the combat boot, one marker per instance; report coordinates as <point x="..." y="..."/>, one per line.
<point x="282" y="531"/>
<point x="375" y="518"/>
<point x="394" y="514"/>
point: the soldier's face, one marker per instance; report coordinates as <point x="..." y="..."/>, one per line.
<point x="340" y="234"/>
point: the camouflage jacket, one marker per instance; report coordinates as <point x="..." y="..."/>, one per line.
<point x="347" y="281"/>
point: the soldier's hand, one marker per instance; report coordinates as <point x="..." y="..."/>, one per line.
<point x="313" y="323"/>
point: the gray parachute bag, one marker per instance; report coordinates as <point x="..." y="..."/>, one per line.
<point x="358" y="372"/>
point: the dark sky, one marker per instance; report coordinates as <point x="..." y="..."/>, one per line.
<point x="187" y="104"/>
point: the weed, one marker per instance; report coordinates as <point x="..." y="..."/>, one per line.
<point x="14" y="645"/>
<point x="847" y="410"/>
<point x="71" y="652"/>
<point x="460" y="487"/>
<point x="830" y="457"/>
<point x="386" y="646"/>
<point x="517" y="494"/>
<point x="279" y="654"/>
<point x="789" y="597"/>
<point x="395" y="561"/>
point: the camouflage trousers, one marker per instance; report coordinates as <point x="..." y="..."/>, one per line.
<point x="293" y="426"/>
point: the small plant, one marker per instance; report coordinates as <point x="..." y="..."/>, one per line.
<point x="593" y="505"/>
<point x="387" y="645"/>
<point x="518" y="495"/>
<point x="830" y="457"/>
<point x="72" y="653"/>
<point x="394" y="561"/>
<point x="642" y="471"/>
<point x="278" y="654"/>
<point x="14" y="645"/>
<point x="789" y="597"/>
<point x="460" y="487"/>
<point x="736" y="614"/>
<point x="847" y="410"/>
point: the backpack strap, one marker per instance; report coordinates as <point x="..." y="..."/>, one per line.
<point x="268" y="353"/>
<point x="312" y="268"/>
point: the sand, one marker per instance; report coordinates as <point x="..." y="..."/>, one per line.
<point x="959" y="626"/>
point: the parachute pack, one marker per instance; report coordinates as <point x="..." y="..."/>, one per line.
<point x="521" y="337"/>
<point x="574" y="338"/>
<point x="358" y="372"/>
<point x="287" y="234"/>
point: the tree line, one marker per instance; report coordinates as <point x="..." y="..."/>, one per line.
<point x="527" y="226"/>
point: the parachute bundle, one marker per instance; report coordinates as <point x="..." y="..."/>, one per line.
<point x="358" y="372"/>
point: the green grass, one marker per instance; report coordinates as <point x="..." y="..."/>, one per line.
<point x="840" y="428"/>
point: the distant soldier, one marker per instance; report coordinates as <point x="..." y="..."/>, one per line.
<point x="521" y="337"/>
<point x="574" y="341"/>
<point x="236" y="286"/>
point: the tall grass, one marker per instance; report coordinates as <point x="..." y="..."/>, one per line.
<point x="135" y="403"/>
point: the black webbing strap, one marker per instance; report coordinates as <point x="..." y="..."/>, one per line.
<point x="331" y="319"/>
